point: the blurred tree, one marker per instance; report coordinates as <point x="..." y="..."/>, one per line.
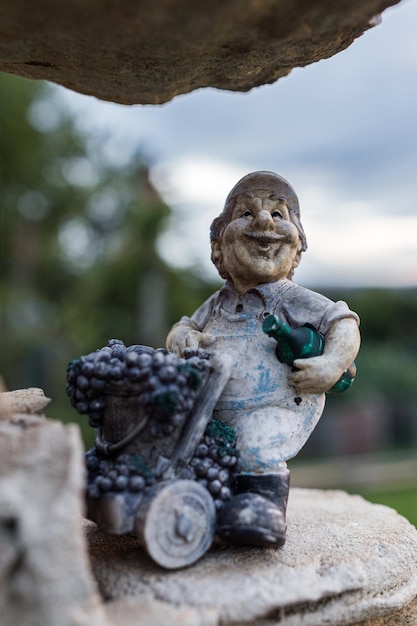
<point x="380" y="410"/>
<point x="35" y="203"/>
<point x="78" y="247"/>
<point x="386" y="314"/>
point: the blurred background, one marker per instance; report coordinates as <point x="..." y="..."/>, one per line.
<point x="104" y="218"/>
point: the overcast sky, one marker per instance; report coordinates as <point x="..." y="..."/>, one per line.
<point x="343" y="131"/>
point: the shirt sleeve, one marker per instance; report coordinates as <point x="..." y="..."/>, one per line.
<point x="337" y="311"/>
<point x="300" y="306"/>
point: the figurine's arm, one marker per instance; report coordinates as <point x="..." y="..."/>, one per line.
<point x="187" y="333"/>
<point x="318" y="374"/>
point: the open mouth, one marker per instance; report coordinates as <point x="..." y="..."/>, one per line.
<point x="265" y="239"/>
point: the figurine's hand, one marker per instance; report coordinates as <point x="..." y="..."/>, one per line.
<point x="319" y="373"/>
<point x="315" y="375"/>
<point x="186" y="337"/>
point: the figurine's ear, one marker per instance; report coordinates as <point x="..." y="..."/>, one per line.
<point x="296" y="263"/>
<point x="217" y="256"/>
<point x="216" y="252"/>
<point x="301" y="234"/>
<point x="297" y="259"/>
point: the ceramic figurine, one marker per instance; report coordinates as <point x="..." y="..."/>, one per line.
<point x="272" y="404"/>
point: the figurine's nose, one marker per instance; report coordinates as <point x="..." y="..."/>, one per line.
<point x="263" y="220"/>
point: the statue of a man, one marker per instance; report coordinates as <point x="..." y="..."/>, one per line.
<point x="257" y="242"/>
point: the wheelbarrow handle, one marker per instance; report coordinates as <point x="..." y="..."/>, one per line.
<point x="110" y="448"/>
<point x="200" y="414"/>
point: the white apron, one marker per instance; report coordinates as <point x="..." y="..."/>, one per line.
<point x="271" y="419"/>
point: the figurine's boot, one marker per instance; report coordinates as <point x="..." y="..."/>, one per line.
<point x="256" y="514"/>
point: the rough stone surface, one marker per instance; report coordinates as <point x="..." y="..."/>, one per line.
<point x="407" y="616"/>
<point x="150" y="51"/>
<point x="345" y="562"/>
<point x="31" y="401"/>
<point x="45" y="578"/>
<point x="143" y="612"/>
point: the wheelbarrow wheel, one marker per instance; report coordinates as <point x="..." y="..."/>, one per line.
<point x="176" y="523"/>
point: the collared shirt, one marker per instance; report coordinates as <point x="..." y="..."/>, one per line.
<point x="293" y="304"/>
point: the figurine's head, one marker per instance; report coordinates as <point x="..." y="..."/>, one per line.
<point x="258" y="237"/>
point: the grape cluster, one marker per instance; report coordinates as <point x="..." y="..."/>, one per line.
<point x="163" y="383"/>
<point x="126" y="474"/>
<point x="213" y="465"/>
<point x="215" y="461"/>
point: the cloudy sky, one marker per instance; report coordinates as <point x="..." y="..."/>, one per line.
<point x="343" y="131"/>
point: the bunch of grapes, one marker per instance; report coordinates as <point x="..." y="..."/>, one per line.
<point x="126" y="474"/>
<point x="163" y="383"/>
<point x="215" y="462"/>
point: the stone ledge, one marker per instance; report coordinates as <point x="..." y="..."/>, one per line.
<point x="346" y="561"/>
<point x="30" y="401"/>
<point x="44" y="571"/>
<point x="407" y="616"/>
<point x="148" y="52"/>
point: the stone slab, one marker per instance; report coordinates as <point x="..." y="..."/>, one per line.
<point x="45" y="578"/>
<point x="30" y="401"/>
<point x="406" y="616"/>
<point x="150" y="51"/>
<point x="346" y="561"/>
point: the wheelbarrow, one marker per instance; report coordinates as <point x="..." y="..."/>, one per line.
<point x="173" y="516"/>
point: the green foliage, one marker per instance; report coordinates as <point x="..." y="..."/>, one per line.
<point x="379" y="411"/>
<point x="78" y="247"/>
<point x="387" y="361"/>
<point x="404" y="501"/>
<point x="386" y="314"/>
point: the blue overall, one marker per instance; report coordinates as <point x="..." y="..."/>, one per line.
<point x="272" y="420"/>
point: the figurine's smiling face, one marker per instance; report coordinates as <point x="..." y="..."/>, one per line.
<point x="260" y="243"/>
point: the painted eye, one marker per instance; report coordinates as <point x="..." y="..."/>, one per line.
<point x="247" y="213"/>
<point x="277" y="214"/>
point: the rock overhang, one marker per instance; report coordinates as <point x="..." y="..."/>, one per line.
<point x="148" y="52"/>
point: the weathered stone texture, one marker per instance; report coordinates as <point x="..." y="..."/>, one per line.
<point x="345" y="561"/>
<point x="150" y="51"/>
<point x="407" y="616"/>
<point x="44" y="572"/>
<point x="31" y="401"/>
